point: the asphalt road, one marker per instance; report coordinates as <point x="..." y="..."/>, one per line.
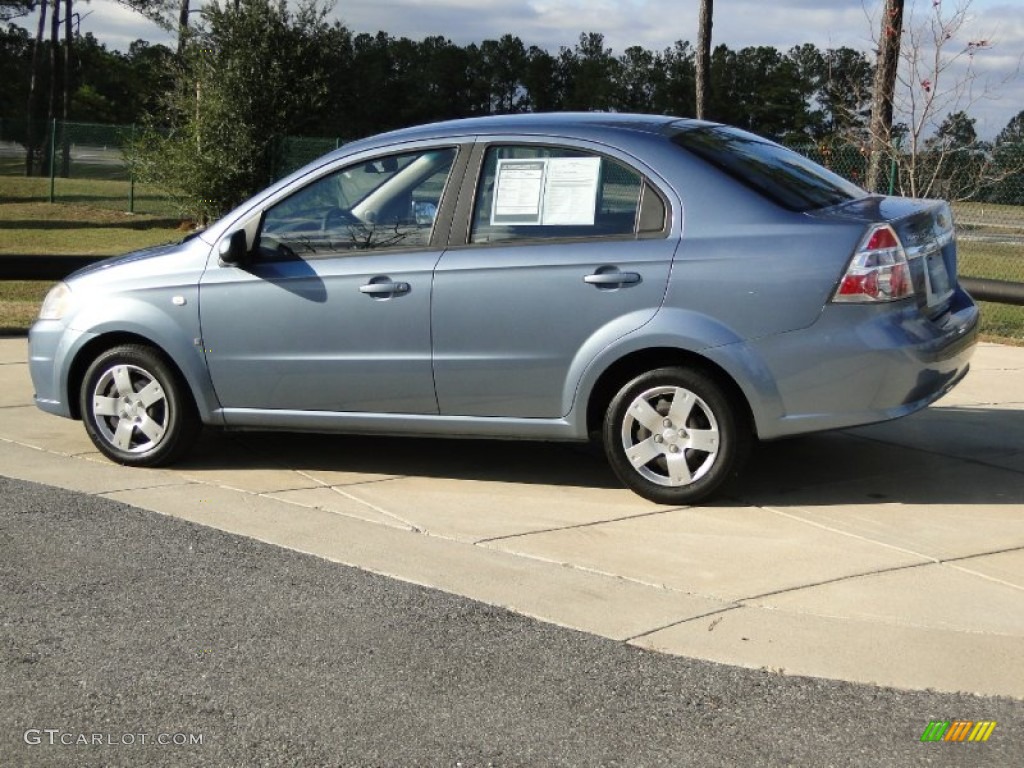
<point x="127" y="628"/>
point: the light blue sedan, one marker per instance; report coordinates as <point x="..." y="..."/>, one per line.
<point x="675" y="288"/>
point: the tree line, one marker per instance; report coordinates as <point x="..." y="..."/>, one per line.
<point x="375" y="82"/>
<point x="253" y="71"/>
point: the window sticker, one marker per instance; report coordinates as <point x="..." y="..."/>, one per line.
<point x="518" y="190"/>
<point x="570" y="190"/>
<point x="548" y="191"/>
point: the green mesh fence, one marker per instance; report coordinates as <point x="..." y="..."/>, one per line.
<point x="78" y="163"/>
<point x="84" y="163"/>
<point x="296" y="151"/>
<point x="987" y="190"/>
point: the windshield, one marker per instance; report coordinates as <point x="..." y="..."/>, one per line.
<point x="785" y="177"/>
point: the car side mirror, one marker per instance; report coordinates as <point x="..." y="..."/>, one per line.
<point x="233" y="250"/>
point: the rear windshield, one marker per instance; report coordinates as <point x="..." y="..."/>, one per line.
<point x="779" y="174"/>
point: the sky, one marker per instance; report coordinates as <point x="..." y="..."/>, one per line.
<point x="997" y="94"/>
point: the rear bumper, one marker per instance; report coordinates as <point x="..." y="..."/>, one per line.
<point x="862" y="364"/>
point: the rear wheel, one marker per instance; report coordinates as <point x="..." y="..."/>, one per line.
<point x="673" y="436"/>
<point x="135" y="409"/>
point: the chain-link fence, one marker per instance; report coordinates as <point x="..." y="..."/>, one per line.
<point x="988" y="200"/>
<point x="79" y="163"/>
<point x="987" y="190"/>
<point x="296" y="151"/>
<point x="84" y="163"/>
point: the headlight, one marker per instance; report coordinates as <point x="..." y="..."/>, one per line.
<point x="56" y="303"/>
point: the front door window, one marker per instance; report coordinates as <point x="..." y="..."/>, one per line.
<point x="386" y="203"/>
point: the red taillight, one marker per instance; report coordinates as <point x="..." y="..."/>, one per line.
<point x="856" y="285"/>
<point x="881" y="238"/>
<point x="878" y="270"/>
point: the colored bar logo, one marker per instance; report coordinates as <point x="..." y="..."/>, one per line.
<point x="958" y="730"/>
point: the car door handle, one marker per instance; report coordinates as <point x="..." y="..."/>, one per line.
<point x="612" y="278"/>
<point x="384" y="289"/>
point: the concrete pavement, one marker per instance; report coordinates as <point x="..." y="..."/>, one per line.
<point x="891" y="554"/>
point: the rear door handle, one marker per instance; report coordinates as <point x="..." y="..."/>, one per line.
<point x="612" y="278"/>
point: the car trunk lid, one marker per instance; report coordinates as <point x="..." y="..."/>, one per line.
<point x="927" y="233"/>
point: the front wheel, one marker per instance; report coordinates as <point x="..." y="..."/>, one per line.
<point x="673" y="436"/>
<point x="135" y="409"/>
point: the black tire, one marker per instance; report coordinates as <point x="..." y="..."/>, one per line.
<point x="674" y="436"/>
<point x="135" y="408"/>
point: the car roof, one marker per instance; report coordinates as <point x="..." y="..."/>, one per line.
<point x="533" y="123"/>
<point x="598" y="126"/>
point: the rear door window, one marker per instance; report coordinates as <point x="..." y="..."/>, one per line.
<point x="543" y="193"/>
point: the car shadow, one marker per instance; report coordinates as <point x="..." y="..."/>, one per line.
<point x="949" y="455"/>
<point x="142" y="224"/>
<point x="503" y="461"/>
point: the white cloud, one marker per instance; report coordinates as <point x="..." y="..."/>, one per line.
<point x="118" y="27"/>
<point x="654" y="24"/>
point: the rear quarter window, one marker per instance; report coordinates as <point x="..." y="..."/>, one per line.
<point x="781" y="175"/>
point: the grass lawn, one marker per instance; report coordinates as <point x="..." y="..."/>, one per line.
<point x="81" y="230"/>
<point x="90" y="227"/>
<point x="91" y="219"/>
<point x="1003" y="323"/>
<point x="97" y="186"/>
<point x="993" y="261"/>
<point x="989" y="216"/>
<point x="19" y="304"/>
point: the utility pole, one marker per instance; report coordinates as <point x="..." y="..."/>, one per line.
<point x="703" y="58"/>
<point x="33" y="89"/>
<point x="885" y="86"/>
<point x="65" y="168"/>
<point x="183" y="12"/>
<point x="55" y="77"/>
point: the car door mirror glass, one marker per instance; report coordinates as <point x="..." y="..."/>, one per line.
<point x="233" y="250"/>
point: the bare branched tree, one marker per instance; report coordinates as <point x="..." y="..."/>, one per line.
<point x="937" y="84"/>
<point x="938" y="78"/>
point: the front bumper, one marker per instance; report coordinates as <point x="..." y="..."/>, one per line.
<point x="50" y="345"/>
